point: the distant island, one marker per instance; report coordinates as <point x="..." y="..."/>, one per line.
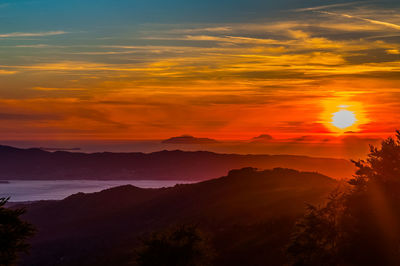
<point x="262" y="138"/>
<point x="38" y="164"/>
<point x="4" y="182"/>
<point x="187" y="139"/>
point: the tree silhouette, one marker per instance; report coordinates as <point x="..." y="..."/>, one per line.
<point x="360" y="225"/>
<point x="181" y="246"/>
<point x="13" y="234"/>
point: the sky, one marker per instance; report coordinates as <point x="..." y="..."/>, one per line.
<point x="226" y="70"/>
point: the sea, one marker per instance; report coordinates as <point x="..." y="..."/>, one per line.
<point x="23" y="191"/>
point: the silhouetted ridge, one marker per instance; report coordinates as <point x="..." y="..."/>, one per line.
<point x="96" y="228"/>
<point x="37" y="164"/>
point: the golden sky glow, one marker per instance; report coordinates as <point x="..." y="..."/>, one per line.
<point x="286" y="75"/>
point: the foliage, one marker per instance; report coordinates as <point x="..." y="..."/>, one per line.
<point x="317" y="234"/>
<point x="358" y="226"/>
<point x="13" y="233"/>
<point x="181" y="246"/>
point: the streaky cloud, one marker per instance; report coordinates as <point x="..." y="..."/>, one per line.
<point x="373" y="21"/>
<point x="7" y="72"/>
<point x="315" y="8"/>
<point x="32" y="34"/>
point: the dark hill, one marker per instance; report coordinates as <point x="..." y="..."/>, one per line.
<point x="248" y="213"/>
<point x="37" y="164"/>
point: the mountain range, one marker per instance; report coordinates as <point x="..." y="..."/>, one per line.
<point x="38" y="164"/>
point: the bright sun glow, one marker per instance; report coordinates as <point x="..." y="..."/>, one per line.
<point x="341" y="115"/>
<point x="343" y="119"/>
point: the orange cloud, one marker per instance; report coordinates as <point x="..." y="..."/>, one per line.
<point x="224" y="81"/>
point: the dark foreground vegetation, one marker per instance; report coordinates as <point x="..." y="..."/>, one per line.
<point x="180" y="246"/>
<point x="359" y="226"/>
<point x="249" y="217"/>
<point x="14" y="233"/>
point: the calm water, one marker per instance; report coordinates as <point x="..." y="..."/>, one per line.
<point x="56" y="190"/>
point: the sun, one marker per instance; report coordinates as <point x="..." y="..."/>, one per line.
<point x="343" y="119"/>
<point x="342" y="115"/>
